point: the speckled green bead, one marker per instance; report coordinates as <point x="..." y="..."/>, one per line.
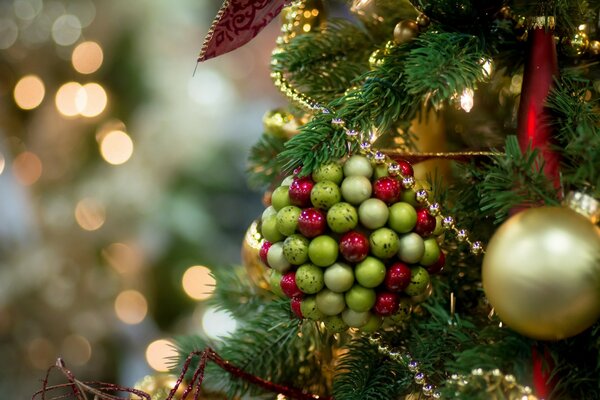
<point x="432" y="252"/>
<point x="335" y="324"/>
<point x="269" y="229"/>
<point x="295" y="249"/>
<point x="325" y="194"/>
<point x="358" y="165"/>
<point x="419" y="279"/>
<point x="384" y="243"/>
<point x="342" y="217"/>
<point x="309" y="309"/>
<point x="287" y="220"/>
<point x="356" y="189"/>
<point x="329" y="172"/>
<point x="374" y="323"/>
<point x="280" y="197"/>
<point x="309" y="278"/>
<point x="274" y="280"/>
<point x="403" y="313"/>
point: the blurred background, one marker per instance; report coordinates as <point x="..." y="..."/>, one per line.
<point x="122" y="180"/>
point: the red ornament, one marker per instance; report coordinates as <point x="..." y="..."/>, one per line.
<point x="387" y="189"/>
<point x="300" y="191"/>
<point x="437" y="266"/>
<point x="397" y="277"/>
<point x="405" y="168"/>
<point x="288" y="285"/>
<point x="295" y="305"/>
<point x="312" y="222"/>
<point x="425" y="223"/>
<point x="533" y="127"/>
<point x="264" y="249"/>
<point x="386" y="303"/>
<point x="354" y="246"/>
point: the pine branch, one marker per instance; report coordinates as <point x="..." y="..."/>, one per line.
<point x="263" y="166"/>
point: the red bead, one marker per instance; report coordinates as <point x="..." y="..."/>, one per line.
<point x="288" y="285"/>
<point x="387" y="189"/>
<point x="425" y="223"/>
<point x="354" y="246"/>
<point x="397" y="277"/>
<point x="405" y="168"/>
<point x="264" y="249"/>
<point x="437" y="266"/>
<point x="300" y="191"/>
<point x="295" y="305"/>
<point x="386" y="303"/>
<point x="312" y="222"/>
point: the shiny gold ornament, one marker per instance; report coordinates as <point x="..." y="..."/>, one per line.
<point x="376" y="59"/>
<point x="505" y="13"/>
<point x="303" y="17"/>
<point x="158" y="386"/>
<point x="576" y="46"/>
<point x="380" y="16"/>
<point x="423" y="20"/>
<point x="405" y="31"/>
<point x="280" y="123"/>
<point x="255" y="269"/>
<point x="594" y="48"/>
<point x="541" y="273"/>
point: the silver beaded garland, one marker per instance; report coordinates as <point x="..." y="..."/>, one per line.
<point x="476" y="247"/>
<point x="462" y="235"/>
<point x="421" y="196"/>
<point x="408" y="182"/>
<point x="379" y="157"/>
<point x="434" y="209"/>
<point x="419" y="378"/>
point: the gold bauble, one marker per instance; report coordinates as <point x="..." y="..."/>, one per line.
<point x="303" y="17"/>
<point x="541" y="273"/>
<point x="255" y="268"/>
<point x="158" y="386"/>
<point x="280" y="123"/>
<point x="405" y="31"/>
<point x="594" y="48"/>
<point x="380" y="16"/>
<point x="423" y="20"/>
<point x="577" y="45"/>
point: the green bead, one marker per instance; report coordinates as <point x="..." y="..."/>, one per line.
<point x="330" y="303"/>
<point x="269" y="229"/>
<point x="295" y="249"/>
<point x="335" y="324"/>
<point x="372" y="324"/>
<point x="309" y="309"/>
<point x="287" y="220"/>
<point x="329" y="172"/>
<point x="339" y="277"/>
<point x="325" y="194"/>
<point x="309" y="278"/>
<point x="411" y="247"/>
<point x="432" y="252"/>
<point x="380" y="171"/>
<point x="274" y="279"/>
<point x="268" y="212"/>
<point x="342" y="217"/>
<point x="370" y="272"/>
<point x="403" y="217"/>
<point x="276" y="259"/>
<point x="358" y="166"/>
<point x="360" y="298"/>
<point x="323" y="250"/>
<point x="384" y="243"/>
<point x="409" y="196"/>
<point x="403" y="313"/>
<point x="356" y="189"/>
<point x="355" y="319"/>
<point x="373" y="213"/>
<point x="419" y="279"/>
<point x="280" y="197"/>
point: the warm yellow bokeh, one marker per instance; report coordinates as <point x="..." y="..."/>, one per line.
<point x="123" y="258"/>
<point x="90" y="214"/>
<point x="87" y="57"/>
<point x="66" y="99"/>
<point x="159" y="353"/>
<point x="131" y="307"/>
<point x="76" y="350"/>
<point x="27" y="168"/>
<point x="116" y="147"/>
<point x="29" y="92"/>
<point x="91" y="100"/>
<point x="198" y="283"/>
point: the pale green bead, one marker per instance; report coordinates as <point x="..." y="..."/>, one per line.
<point x="358" y="165"/>
<point x="411" y="248"/>
<point x="356" y="189"/>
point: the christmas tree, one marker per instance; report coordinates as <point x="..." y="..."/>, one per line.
<point x="431" y="206"/>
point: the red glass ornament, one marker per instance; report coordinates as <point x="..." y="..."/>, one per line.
<point x="405" y="168"/>
<point x="312" y="222"/>
<point x="425" y="223"/>
<point x="533" y="127"/>
<point x="437" y="266"/>
<point x="300" y="191"/>
<point x="295" y="305"/>
<point x="387" y="189"/>
<point x="354" y="246"/>
<point x="288" y="285"/>
<point x="264" y="249"/>
<point x="386" y="303"/>
<point x="397" y="277"/>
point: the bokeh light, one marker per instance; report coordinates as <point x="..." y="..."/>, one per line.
<point x="27" y="168"/>
<point x="91" y="100"/>
<point x="116" y="147"/>
<point x="198" y="283"/>
<point x="87" y="57"/>
<point x="41" y="353"/>
<point x="27" y="9"/>
<point x="123" y="258"/>
<point x="66" y="99"/>
<point x="2" y="163"/>
<point x="131" y="307"/>
<point x="90" y="214"/>
<point x="159" y="353"/>
<point x="66" y="30"/>
<point x="76" y="350"/>
<point x="218" y="323"/>
<point x="9" y="32"/>
<point x="29" y="92"/>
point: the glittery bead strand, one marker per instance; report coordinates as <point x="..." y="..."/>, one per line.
<point x="494" y="381"/>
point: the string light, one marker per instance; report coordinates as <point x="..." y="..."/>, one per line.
<point x="87" y="57"/>
<point x="29" y="92"/>
<point x="116" y="147"/>
<point x="466" y="99"/>
<point x="131" y="307"/>
<point x="158" y="354"/>
<point x="198" y="283"/>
